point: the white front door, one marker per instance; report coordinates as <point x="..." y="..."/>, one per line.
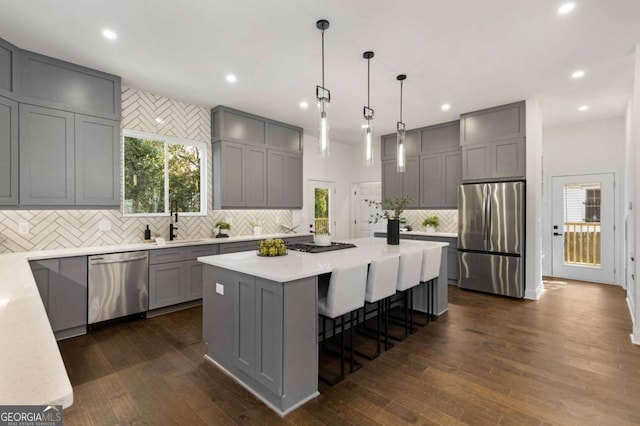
<point x="361" y="212"/>
<point x="583" y="232"/>
<point x="321" y="196"/>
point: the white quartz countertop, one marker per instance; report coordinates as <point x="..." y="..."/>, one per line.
<point x="426" y="234"/>
<point x="297" y="265"/>
<point x="33" y="372"/>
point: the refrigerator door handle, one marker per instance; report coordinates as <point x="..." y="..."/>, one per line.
<point x="484" y="214"/>
<point x="488" y="212"/>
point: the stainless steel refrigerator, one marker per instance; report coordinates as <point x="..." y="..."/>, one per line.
<point x="491" y="220"/>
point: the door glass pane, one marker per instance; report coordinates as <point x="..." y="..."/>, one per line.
<point x="321" y="210"/>
<point x="143" y="175"/>
<point x="582" y="231"/>
<point x="184" y="177"/>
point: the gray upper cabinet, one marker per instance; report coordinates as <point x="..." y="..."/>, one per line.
<point x="97" y="157"/>
<point x="8" y="56"/>
<point x="284" y="182"/>
<point x="58" y="84"/>
<point x="257" y="162"/>
<point x="396" y="185"/>
<point x="47" y="167"/>
<point x="433" y="166"/>
<point x="8" y="152"/>
<point x="492" y="124"/>
<point x="240" y="175"/>
<point x="452" y="178"/>
<point x="283" y="136"/>
<point x="228" y="124"/>
<point x="499" y="160"/>
<point x="493" y="143"/>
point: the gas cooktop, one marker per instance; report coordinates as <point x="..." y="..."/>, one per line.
<point x="312" y="248"/>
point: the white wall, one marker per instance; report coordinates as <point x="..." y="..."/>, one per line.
<point x="533" y="268"/>
<point x="337" y="168"/>
<point x="584" y="148"/>
<point x="633" y="126"/>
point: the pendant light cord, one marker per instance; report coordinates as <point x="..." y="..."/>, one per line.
<point x="401" y="82"/>
<point x="322" y="60"/>
<point x="369" y="83"/>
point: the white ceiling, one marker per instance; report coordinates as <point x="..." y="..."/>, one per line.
<point x="472" y="54"/>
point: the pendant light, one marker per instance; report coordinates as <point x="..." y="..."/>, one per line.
<point x="368" y="116"/>
<point x="323" y="96"/>
<point x="401" y="154"/>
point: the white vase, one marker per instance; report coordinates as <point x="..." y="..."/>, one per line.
<point x="431" y="229"/>
<point x="322" y="240"/>
<point x="257" y="230"/>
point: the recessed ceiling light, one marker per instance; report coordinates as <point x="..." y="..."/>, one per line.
<point x="577" y="74"/>
<point x="109" y="34"/>
<point x="231" y="78"/>
<point x="566" y="8"/>
<point x="445" y="107"/>
<point x="304" y="105"/>
<point x="583" y="108"/>
<point x="159" y="120"/>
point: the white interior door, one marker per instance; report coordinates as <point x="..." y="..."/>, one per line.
<point x="361" y="212"/>
<point x="583" y="231"/>
<point x="321" y="199"/>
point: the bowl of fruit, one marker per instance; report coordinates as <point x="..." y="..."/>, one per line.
<point x="272" y="247"/>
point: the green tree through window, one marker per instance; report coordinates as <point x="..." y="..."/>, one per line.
<point x="145" y="179"/>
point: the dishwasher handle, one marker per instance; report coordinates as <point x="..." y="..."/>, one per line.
<point x="102" y="261"/>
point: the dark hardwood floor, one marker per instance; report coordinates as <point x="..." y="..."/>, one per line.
<point x="565" y="359"/>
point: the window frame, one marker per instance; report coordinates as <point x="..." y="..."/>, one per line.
<point x="166" y="140"/>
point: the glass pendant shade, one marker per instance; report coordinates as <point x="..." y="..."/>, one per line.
<point x="323" y="131"/>
<point x="368" y="142"/>
<point x="401" y="155"/>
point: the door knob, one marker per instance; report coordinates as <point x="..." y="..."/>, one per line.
<point x="557" y="234"/>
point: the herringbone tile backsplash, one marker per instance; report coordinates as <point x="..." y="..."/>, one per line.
<point x="51" y="229"/>
<point x="448" y="219"/>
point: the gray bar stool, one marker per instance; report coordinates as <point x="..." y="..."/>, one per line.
<point x="432" y="256"/>
<point x="345" y="295"/>
<point x="381" y="285"/>
<point x="409" y="271"/>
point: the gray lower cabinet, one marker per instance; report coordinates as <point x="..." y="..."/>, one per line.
<point x="263" y="333"/>
<point x="47" y="167"/>
<point x="175" y="276"/>
<point x="440" y="176"/>
<point x="238" y="246"/>
<point x="257" y="322"/>
<point x="239" y="175"/>
<point x="167" y="284"/>
<point x="62" y="284"/>
<point x="498" y="160"/>
<point x="8" y="151"/>
<point x="284" y="179"/>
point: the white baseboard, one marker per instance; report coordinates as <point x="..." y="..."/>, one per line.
<point x="260" y="397"/>
<point x="535" y="293"/>
<point x="633" y="338"/>
<point x="631" y="313"/>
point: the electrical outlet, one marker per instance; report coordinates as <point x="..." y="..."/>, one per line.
<point x="23" y="228"/>
<point x="220" y="289"/>
<point x="105" y="225"/>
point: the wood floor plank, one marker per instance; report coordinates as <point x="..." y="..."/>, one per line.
<point x="565" y="359"/>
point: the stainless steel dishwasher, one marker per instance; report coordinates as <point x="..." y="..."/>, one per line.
<point x="118" y="285"/>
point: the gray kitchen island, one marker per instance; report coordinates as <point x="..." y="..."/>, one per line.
<point x="260" y="315"/>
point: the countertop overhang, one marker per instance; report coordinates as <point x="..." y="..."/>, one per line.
<point x="297" y="265"/>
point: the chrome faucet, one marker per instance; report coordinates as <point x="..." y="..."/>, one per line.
<point x="172" y="228"/>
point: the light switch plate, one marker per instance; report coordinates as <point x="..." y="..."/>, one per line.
<point x="23" y="228"/>
<point x="220" y="289"/>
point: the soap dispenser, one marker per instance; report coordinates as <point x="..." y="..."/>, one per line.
<point x="147" y="234"/>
